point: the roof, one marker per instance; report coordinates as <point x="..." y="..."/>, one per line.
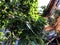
<point x="48" y="28"/>
<point x="56" y="26"/>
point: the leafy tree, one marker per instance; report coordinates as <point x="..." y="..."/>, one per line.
<point x="21" y="19"/>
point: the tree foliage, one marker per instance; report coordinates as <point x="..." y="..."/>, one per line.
<point x="20" y="17"/>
